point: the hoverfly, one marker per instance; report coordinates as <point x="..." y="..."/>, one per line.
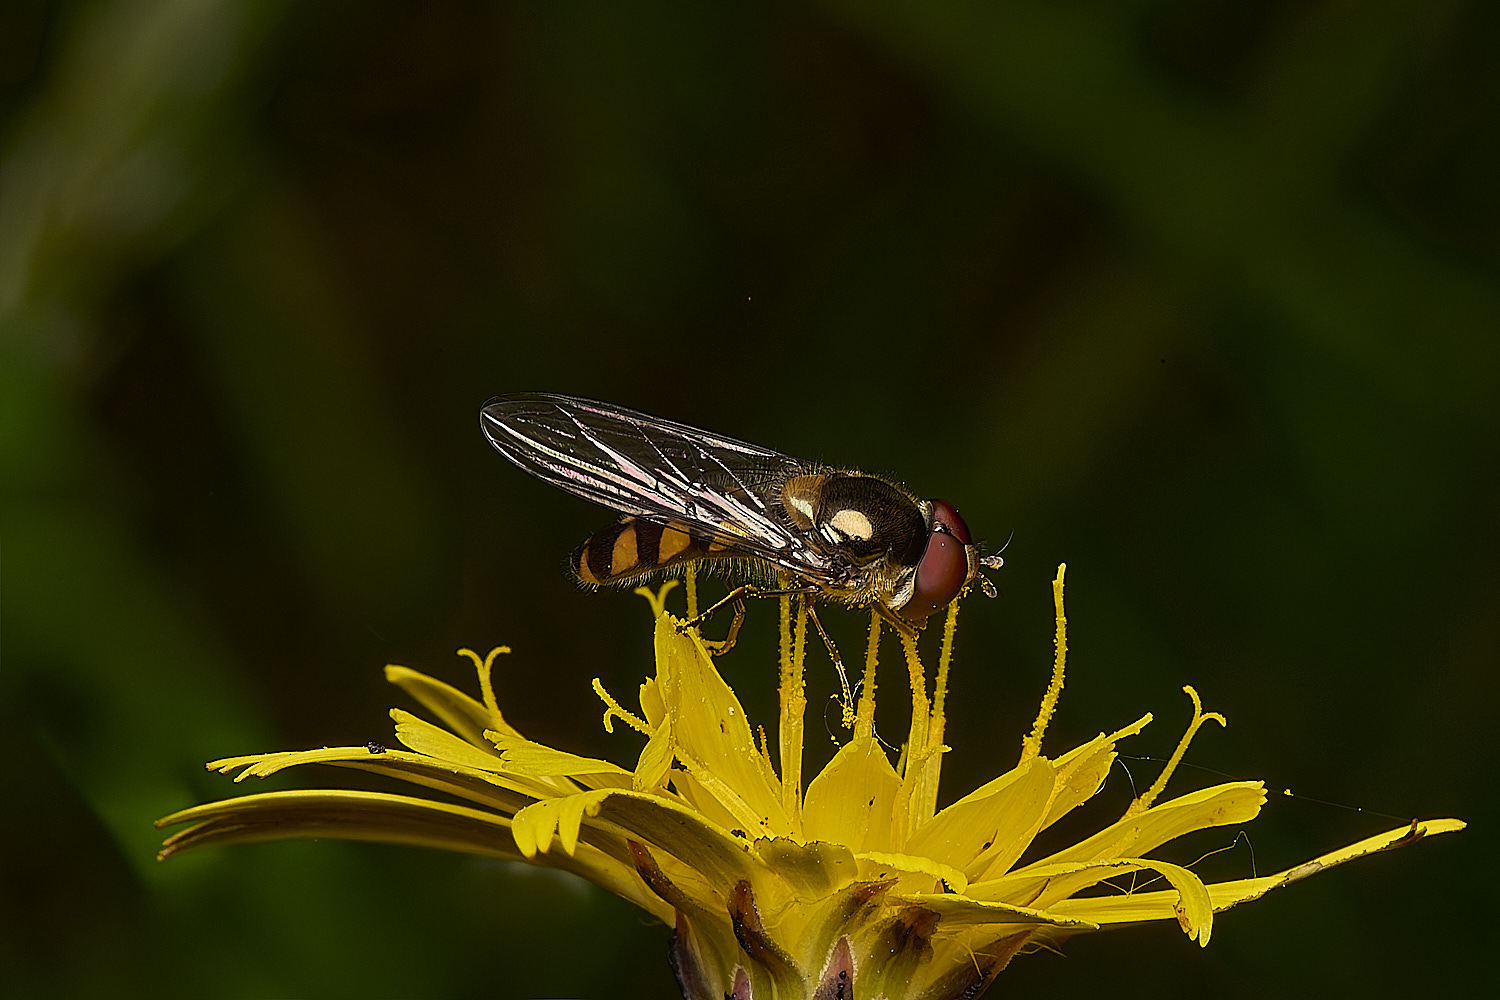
<point x="691" y="496"/>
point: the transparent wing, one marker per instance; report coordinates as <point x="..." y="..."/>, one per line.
<point x="652" y="468"/>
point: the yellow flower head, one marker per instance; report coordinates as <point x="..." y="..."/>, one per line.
<point x="854" y="886"/>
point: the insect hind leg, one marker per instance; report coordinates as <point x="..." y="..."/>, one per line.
<point x="725" y="644"/>
<point x="737" y="597"/>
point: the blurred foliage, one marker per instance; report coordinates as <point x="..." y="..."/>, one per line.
<point x="1198" y="296"/>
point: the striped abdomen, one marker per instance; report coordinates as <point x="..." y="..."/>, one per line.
<point x="634" y="548"/>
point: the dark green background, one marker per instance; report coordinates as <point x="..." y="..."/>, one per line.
<point x="1199" y="297"/>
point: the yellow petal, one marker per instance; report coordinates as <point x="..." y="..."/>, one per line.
<point x="1223" y="895"/>
<point x="710" y="808"/>
<point x="456" y="710"/>
<point x="811" y="871"/>
<point x="652" y="706"/>
<point x="425" y="738"/>
<point x="498" y="791"/>
<point x="522" y="756"/>
<point x="712" y="730"/>
<point x="850" y="802"/>
<point x="656" y="759"/>
<point x="342" y="814"/>
<point x="263" y="765"/>
<point x="961" y="911"/>
<point x="722" y="858"/>
<point x="535" y="826"/>
<point x="990" y="828"/>
<point x="1190" y="903"/>
<point x="495" y="790"/>
<point x="746" y="816"/>
<point x="876" y="864"/>
<point x="1082" y="771"/>
<point x="1228" y="894"/>
<point x="1232" y="802"/>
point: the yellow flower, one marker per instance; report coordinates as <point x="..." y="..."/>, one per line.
<point x="856" y="886"/>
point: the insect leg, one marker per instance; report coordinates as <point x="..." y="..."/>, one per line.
<point x="736" y="597"/>
<point x="838" y="664"/>
<point x="727" y="643"/>
<point x="896" y="621"/>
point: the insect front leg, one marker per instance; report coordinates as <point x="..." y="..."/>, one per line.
<point x="838" y="663"/>
<point x="901" y="625"/>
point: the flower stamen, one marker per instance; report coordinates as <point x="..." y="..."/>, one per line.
<point x="920" y="706"/>
<point x="765" y="752"/>
<point x="486" y="688"/>
<point x="933" y="767"/>
<point x="658" y="598"/>
<point x="921" y="757"/>
<point x="864" y="720"/>
<point x="793" y="698"/>
<point x="1031" y="746"/>
<point x="945" y="660"/>
<point x="1199" y="718"/>
<point x="614" y="710"/>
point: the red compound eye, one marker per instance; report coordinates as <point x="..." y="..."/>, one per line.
<point x="945" y="513"/>
<point x="944" y="568"/>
